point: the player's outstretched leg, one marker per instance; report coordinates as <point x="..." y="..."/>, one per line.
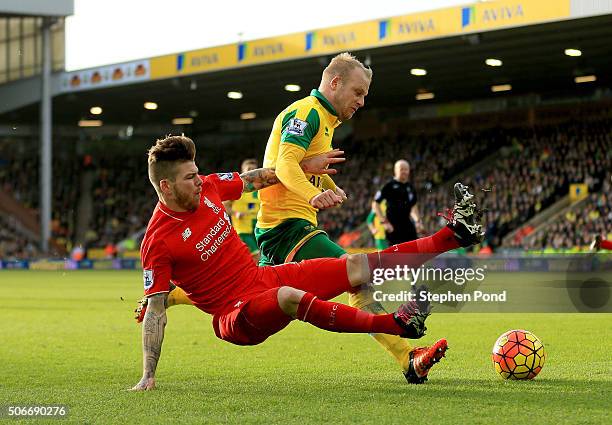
<point x="176" y="296"/>
<point x="320" y="280"/>
<point x="407" y="322"/>
<point x="463" y="229"/>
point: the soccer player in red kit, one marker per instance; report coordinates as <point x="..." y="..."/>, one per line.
<point x="190" y="241"/>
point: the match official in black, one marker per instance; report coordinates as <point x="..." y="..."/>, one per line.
<point x="401" y="220"/>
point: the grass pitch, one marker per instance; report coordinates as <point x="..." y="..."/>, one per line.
<point x="69" y="338"/>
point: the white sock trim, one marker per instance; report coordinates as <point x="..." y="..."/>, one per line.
<point x="308" y="309"/>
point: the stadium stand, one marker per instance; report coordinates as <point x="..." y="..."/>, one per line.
<point x="123" y="200"/>
<point x="433" y="160"/>
<point x="15" y="242"/>
<point x="576" y="226"/>
<point x="534" y="172"/>
<point x="19" y="179"/>
<point x="526" y="169"/>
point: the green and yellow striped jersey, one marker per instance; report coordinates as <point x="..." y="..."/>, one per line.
<point x="304" y="129"/>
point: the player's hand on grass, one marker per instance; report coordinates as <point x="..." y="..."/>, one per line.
<point x="319" y="164"/>
<point x="327" y="199"/>
<point x="145" y="384"/>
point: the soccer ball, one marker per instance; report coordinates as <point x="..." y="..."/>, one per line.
<point x="518" y="354"/>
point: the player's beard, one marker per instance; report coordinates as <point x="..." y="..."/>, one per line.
<point x="185" y="200"/>
<point x="347" y="114"/>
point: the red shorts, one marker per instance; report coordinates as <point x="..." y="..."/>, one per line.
<point x="252" y="319"/>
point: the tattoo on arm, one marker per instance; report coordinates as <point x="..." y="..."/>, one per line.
<point x="153" y="333"/>
<point x="259" y="179"/>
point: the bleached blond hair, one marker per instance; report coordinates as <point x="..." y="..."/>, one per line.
<point x="342" y="64"/>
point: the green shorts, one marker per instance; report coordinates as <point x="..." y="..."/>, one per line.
<point x="249" y="240"/>
<point x="295" y="239"/>
<point x="381" y="244"/>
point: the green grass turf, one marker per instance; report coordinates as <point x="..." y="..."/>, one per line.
<point x="69" y="338"/>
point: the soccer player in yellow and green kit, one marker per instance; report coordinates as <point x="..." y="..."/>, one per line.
<point x="377" y="229"/>
<point x="243" y="212"/>
<point x="287" y="220"/>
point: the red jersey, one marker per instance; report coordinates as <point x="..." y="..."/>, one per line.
<point x="199" y="250"/>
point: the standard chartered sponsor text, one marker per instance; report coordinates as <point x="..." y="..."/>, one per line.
<point x="211" y="242"/>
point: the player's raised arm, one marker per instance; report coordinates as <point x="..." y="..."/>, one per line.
<point x="152" y="337"/>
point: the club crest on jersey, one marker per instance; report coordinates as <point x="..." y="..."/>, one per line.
<point x="297" y="127"/>
<point x="147" y="276"/>
<point x="225" y="176"/>
<point x="186" y="233"/>
<point x="212" y="206"/>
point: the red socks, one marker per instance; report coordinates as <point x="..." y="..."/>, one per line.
<point x="441" y="241"/>
<point x="343" y="318"/>
<point x="421" y="250"/>
<point x="606" y="244"/>
<point x="338" y="317"/>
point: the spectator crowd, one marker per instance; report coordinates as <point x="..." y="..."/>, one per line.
<point x="516" y="173"/>
<point x="576" y="227"/>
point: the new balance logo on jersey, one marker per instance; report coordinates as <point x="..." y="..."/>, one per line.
<point x="212" y="206"/>
<point x="186" y="233"/>
<point x="297" y="127"/>
<point x="238" y="303"/>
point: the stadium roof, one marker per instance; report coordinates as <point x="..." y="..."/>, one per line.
<point x="533" y="62"/>
<point x="36" y="8"/>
